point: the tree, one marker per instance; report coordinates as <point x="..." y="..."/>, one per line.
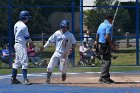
<point x="95" y="16"/>
<point x="40" y="10"/>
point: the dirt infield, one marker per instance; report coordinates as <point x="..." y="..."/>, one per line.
<point x="131" y="80"/>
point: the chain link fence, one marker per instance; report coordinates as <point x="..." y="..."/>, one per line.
<point x="83" y="15"/>
<point x="124" y="26"/>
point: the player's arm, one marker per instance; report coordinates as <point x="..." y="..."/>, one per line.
<point x="5" y="54"/>
<point x="108" y="38"/>
<point x="70" y="51"/>
<point x="27" y="36"/>
<point x="73" y="40"/>
<point x="72" y="48"/>
<point x="50" y="40"/>
<point x="73" y="45"/>
<point x="97" y="39"/>
<point x="45" y="46"/>
<point x="108" y="35"/>
<point x="29" y="40"/>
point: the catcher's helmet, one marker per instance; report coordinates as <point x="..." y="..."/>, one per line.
<point x="24" y="15"/>
<point x="64" y="23"/>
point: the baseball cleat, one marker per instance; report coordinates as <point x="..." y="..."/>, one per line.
<point x="106" y="80"/>
<point x="27" y="82"/>
<point x="111" y="81"/>
<point x="15" y="81"/>
<point x="64" y="77"/>
<point x="47" y="81"/>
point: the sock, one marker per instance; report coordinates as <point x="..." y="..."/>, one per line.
<point x="24" y="72"/>
<point x="49" y="75"/>
<point x="14" y="73"/>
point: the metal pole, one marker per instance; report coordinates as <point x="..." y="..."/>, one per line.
<point x="73" y="30"/>
<point x="81" y="21"/>
<point x="137" y="32"/>
<point x="43" y="40"/>
<point x="115" y="13"/>
<point x="9" y="29"/>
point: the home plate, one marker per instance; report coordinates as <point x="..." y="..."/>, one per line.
<point x="91" y="78"/>
<point x="136" y="81"/>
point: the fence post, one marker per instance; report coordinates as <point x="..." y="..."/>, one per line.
<point x="127" y="39"/>
<point x="81" y="21"/>
<point x="73" y="31"/>
<point x="137" y="32"/>
<point x="10" y="30"/>
<point x="42" y="36"/>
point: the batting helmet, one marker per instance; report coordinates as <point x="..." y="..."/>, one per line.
<point x="24" y="15"/>
<point x="64" y="23"/>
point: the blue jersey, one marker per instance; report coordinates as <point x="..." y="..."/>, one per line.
<point x="104" y="29"/>
<point x="6" y="52"/>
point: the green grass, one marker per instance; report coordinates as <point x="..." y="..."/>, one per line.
<point x="126" y="56"/>
<point x="77" y="69"/>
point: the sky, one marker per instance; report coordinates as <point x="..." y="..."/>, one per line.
<point x="90" y="3"/>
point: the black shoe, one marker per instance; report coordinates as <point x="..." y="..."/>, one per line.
<point x="15" y="81"/>
<point x="104" y="80"/>
<point x="63" y="77"/>
<point x="111" y="81"/>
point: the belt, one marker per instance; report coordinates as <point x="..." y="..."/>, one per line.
<point x="101" y="43"/>
<point x="17" y="42"/>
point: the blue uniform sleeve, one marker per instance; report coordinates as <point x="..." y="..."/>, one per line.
<point x="109" y="30"/>
<point x="26" y="33"/>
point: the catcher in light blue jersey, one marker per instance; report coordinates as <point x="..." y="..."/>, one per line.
<point x="64" y="41"/>
<point x="21" y="38"/>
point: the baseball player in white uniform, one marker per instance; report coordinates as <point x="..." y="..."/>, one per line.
<point x="64" y="41"/>
<point x="21" y="38"/>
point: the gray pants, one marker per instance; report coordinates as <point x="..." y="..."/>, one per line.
<point x="105" y="61"/>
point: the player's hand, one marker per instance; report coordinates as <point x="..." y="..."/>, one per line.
<point x="70" y="51"/>
<point x="94" y="50"/>
<point x="65" y="54"/>
<point x="31" y="44"/>
<point x="95" y="43"/>
<point x="110" y="44"/>
<point x="41" y="49"/>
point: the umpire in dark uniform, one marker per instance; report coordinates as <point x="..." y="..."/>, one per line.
<point x="104" y="42"/>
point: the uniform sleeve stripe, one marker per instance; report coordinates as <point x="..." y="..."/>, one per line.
<point x="26" y="37"/>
